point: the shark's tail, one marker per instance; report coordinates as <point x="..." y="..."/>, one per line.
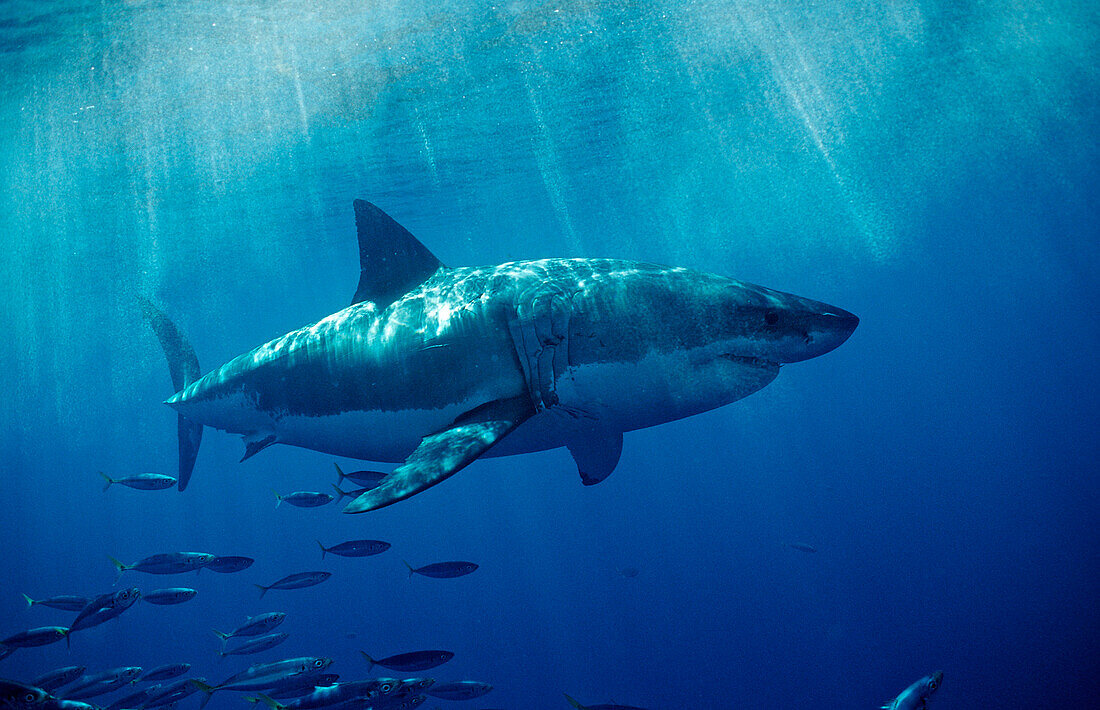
<point x="184" y="368"/>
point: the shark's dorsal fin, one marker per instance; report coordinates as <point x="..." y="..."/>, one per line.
<point x="391" y="260"/>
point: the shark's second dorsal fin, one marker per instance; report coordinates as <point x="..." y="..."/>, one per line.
<point x="391" y="260"/>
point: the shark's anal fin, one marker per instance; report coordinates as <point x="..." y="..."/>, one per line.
<point x="596" y="451"/>
<point x="443" y="454"/>
<point x="183" y="365"/>
<point x="391" y="260"/>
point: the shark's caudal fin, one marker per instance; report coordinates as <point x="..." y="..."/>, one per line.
<point x="445" y="453"/>
<point x="183" y="365"/>
<point x="391" y="260"/>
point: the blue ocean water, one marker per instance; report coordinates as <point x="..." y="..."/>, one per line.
<point x="929" y="166"/>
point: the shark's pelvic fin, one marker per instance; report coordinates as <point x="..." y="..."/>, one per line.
<point x="183" y="365"/>
<point x="445" y="453"/>
<point x="596" y="451"/>
<point x="391" y="260"/>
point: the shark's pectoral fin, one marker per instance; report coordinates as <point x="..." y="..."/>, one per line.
<point x="444" y="453"/>
<point x="596" y="451"/>
<point x="257" y="441"/>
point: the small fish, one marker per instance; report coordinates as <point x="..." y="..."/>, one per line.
<point x="254" y="625"/>
<point x="415" y="685"/>
<point x="39" y="636"/>
<point x="173" y="595"/>
<point x="324" y="696"/>
<point x="260" y="643"/>
<point x="367" y="479"/>
<point x="103" y="683"/>
<point x="166" y="672"/>
<point x="262" y="676"/>
<point x="126" y="673"/>
<point x="601" y="706"/>
<point x="915" y="697"/>
<point x="801" y="547"/>
<point x="629" y="572"/>
<point x="228" y="564"/>
<point x="135" y="700"/>
<point x="96" y="689"/>
<point x="173" y="692"/>
<point x="64" y="603"/>
<point x="104" y="608"/>
<point x="410" y="662"/>
<point x="295" y="581"/>
<point x="408" y="703"/>
<point x="168" y="563"/>
<point x="355" y="548"/>
<point x="141" y="481"/>
<point x="443" y="570"/>
<point x="302" y="685"/>
<point x="20" y="696"/>
<point x="57" y="678"/>
<point x="459" y="690"/>
<point x="342" y="494"/>
<point x="303" y="499"/>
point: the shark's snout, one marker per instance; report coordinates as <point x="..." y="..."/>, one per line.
<point x="823" y="330"/>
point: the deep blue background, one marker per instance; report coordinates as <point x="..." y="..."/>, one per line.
<point x="929" y="166"/>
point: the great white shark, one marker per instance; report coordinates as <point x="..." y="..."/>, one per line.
<point x="432" y="367"/>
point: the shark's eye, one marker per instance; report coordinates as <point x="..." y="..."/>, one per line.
<point x="771" y="317"/>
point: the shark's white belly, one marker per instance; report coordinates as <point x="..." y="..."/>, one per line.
<point x="369" y="435"/>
